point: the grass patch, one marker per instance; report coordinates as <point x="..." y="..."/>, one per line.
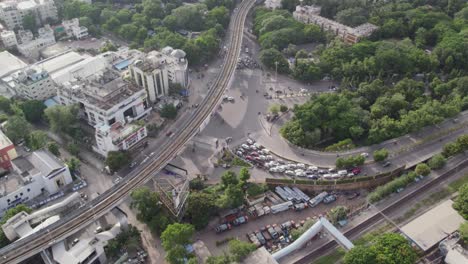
<point x="455" y="185"/>
<point x="331" y="258"/>
<point x="239" y="162"/>
<point x="433" y="199"/>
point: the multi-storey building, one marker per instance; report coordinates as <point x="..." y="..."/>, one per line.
<point x="31" y="83"/>
<point x="7" y="152"/>
<point x="29" y="46"/>
<point x="158" y="69"/>
<point x="8" y="39"/>
<point x="38" y="173"/>
<point x="118" y="136"/>
<point x="311" y="15"/>
<point x="273" y="4"/>
<point x="73" y="29"/>
<point x="12" y="12"/>
<point x="105" y="98"/>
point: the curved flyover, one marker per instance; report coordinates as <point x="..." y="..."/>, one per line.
<point x="23" y="249"/>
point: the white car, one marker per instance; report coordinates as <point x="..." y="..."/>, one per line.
<point x="230" y="99"/>
<point x="274" y="163"/>
<point x="313" y="168"/>
<point x="273" y="169"/>
<point x="258" y="146"/>
<point x="365" y="154"/>
<point x="303" y="90"/>
<point x="269" y="157"/>
<point x="250" y="141"/>
<point x="265" y="151"/>
<point x="253" y="147"/>
<point x="244" y="146"/>
<point x="301" y="165"/>
<point x="301" y="174"/>
<point x="291" y="166"/>
<point x="290" y="173"/>
<point x="262" y="157"/>
<point x="281" y="168"/>
<point x="298" y="171"/>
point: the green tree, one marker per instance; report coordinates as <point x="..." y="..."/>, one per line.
<point x="129" y="240"/>
<point x="62" y="119"/>
<point x="73" y="148"/>
<point x="117" y="160"/>
<point x="33" y="110"/>
<point x="17" y="128"/>
<point x="380" y="155"/>
<point x="272" y="58"/>
<point x="244" y="174"/>
<point x="224" y="259"/>
<point x="29" y="22"/>
<point x="234" y="196"/>
<point x="388" y="248"/>
<point x="451" y="149"/>
<point x="177" y="234"/>
<point x="7" y="215"/>
<point x="461" y="202"/>
<point x="240" y="249"/>
<point x="53" y="148"/>
<point x="37" y="139"/>
<point x="149" y="209"/>
<point x="274" y="109"/>
<point x="464" y="232"/>
<point x="229" y="178"/>
<point x="338" y="213"/>
<point x="352" y="17"/>
<point x="169" y="111"/>
<point x="5" y="105"/>
<point x="200" y="208"/>
<point x="283" y="108"/>
<point x="176" y="254"/>
<point x="437" y="161"/>
<point x="422" y="169"/>
<point x="351" y="161"/>
<point x="73" y="164"/>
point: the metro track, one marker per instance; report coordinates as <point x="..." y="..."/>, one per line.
<point x="376" y="218"/>
<point x="31" y="245"/>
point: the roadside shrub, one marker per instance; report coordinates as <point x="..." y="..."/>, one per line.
<point x="422" y="169"/>
<point x="342" y="145"/>
<point x="351" y="161"/>
<point x="380" y="155"/>
<point x="382" y="191"/>
<point x="437" y="161"/>
<point x="283" y="108"/>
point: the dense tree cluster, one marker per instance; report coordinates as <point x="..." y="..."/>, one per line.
<point x="461" y="202"/>
<point x="154" y="24"/>
<point x="386" y="248"/>
<point x="149" y="209"/>
<point x="129" y="240"/>
<point x="389" y="87"/>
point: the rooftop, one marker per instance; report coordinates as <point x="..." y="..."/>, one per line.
<point x="9" y="63"/>
<point x="119" y="131"/>
<point x="30" y="75"/>
<point x="159" y="59"/>
<point x="39" y="161"/>
<point x="433" y="226"/>
<point x="60" y="61"/>
<point x="4" y="140"/>
<point x="104" y="89"/>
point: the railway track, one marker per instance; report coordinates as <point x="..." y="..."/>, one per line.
<point x="374" y="219"/>
<point x="25" y="248"/>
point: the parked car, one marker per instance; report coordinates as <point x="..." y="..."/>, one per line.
<point x="386" y="164"/>
<point x="290" y="173"/>
<point x="240" y="220"/>
<point x="258" y="146"/>
<point x="260" y="237"/>
<point x="244" y="146"/>
<point x="365" y="154"/>
<point x="222" y="228"/>
<point x="250" y="141"/>
<point x="356" y="171"/>
<point x="329" y="199"/>
<point x="272" y="232"/>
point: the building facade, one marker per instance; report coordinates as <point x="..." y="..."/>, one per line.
<point x="39" y="173"/>
<point x="157" y="70"/>
<point x="73" y="29"/>
<point x="118" y="136"/>
<point x="8" y="39"/>
<point x="29" y="46"/>
<point x="105" y="98"/>
<point x="7" y="152"/>
<point x="12" y="12"/>
<point x="311" y="15"/>
<point x="32" y="83"/>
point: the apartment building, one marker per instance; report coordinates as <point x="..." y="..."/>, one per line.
<point x="273" y="4"/>
<point x="12" y="12"/>
<point x="31" y="83"/>
<point x="156" y="70"/>
<point x="8" y="38"/>
<point x="7" y="152"/>
<point x="38" y="173"/>
<point x="118" y="136"/>
<point x="73" y="29"/>
<point x="105" y="98"/>
<point x="29" y="46"/>
<point x="311" y="15"/>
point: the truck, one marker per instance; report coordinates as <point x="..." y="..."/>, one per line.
<point x="281" y="207"/>
<point x="265" y="234"/>
<point x="300" y="206"/>
<point x="272" y="232"/>
<point x="317" y="199"/>
<point x="329" y="199"/>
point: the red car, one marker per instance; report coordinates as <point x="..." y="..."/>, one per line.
<point x="356" y="171"/>
<point x="249" y="158"/>
<point x="255" y="154"/>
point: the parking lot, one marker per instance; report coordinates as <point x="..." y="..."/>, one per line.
<point x="257" y="223"/>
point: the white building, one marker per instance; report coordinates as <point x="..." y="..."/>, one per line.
<point x="311" y="15"/>
<point x="12" y="12"/>
<point x="31" y="83"/>
<point x="73" y="29"/>
<point x="158" y="69"/>
<point x="105" y="98"/>
<point x="8" y="39"/>
<point x="39" y="173"/>
<point x="273" y="4"/>
<point x="29" y="46"/>
<point x="118" y="136"/>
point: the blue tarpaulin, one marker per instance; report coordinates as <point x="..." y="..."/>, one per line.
<point x="122" y="65"/>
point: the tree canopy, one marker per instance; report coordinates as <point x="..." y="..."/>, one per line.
<point x="117" y="160"/>
<point x="149" y="209"/>
<point x="461" y="202"/>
